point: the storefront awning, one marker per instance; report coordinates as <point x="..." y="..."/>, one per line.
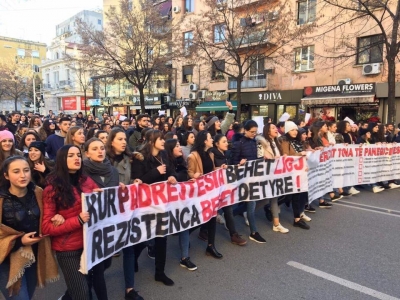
<point x="215" y="106"/>
<point x="146" y="107"/>
<point x="350" y="99"/>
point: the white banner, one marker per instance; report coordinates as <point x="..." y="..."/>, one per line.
<point x="341" y="166"/>
<point x="123" y="217"/>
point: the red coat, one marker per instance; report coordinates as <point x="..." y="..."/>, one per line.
<point x="69" y="235"/>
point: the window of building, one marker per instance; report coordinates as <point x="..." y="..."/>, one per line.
<point x="218" y="67"/>
<point x="99" y="22"/>
<point x="219" y="33"/>
<point x="21" y="52"/>
<point x="306" y="11"/>
<point x="130" y="5"/>
<point x="129" y="31"/>
<point x="187" y="74"/>
<point x="304" y="58"/>
<point x="187" y="40"/>
<point x="189" y="6"/>
<point x="67" y="74"/>
<point x="256" y="70"/>
<point x="56" y="76"/>
<point x="35" y="53"/>
<point x="370" y="49"/>
<point x="150" y="54"/>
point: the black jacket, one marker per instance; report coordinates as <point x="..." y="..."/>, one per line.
<point x="181" y="169"/>
<point x="244" y="148"/>
<point x="146" y="170"/>
<point x="219" y="157"/>
<point x="21" y="214"/>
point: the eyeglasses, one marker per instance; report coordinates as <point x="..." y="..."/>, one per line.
<point x="253" y="132"/>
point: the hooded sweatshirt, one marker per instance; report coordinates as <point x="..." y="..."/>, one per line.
<point x="53" y="143"/>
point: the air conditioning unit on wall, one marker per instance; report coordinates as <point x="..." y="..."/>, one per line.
<point x="193" y="87"/>
<point x="371" y="69"/>
<point x="176" y="9"/>
<point x="193" y="96"/>
<point x="201" y="94"/>
<point x="344" y="81"/>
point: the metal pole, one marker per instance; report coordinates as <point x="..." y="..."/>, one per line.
<point x="33" y="85"/>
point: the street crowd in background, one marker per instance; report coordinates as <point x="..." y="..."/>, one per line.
<point x="48" y="161"/>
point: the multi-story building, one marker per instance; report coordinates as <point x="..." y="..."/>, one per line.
<point x="64" y="86"/>
<point x="301" y="77"/>
<point x="22" y="52"/>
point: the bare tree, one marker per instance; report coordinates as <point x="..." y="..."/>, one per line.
<point x="135" y="43"/>
<point x="16" y="80"/>
<point x="357" y="18"/>
<point x="237" y="36"/>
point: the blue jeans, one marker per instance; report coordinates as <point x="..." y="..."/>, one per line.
<point x="249" y="207"/>
<point x="129" y="266"/>
<point x="184" y="243"/>
<point x="28" y="283"/>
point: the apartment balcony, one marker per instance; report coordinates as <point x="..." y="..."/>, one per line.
<point x="252" y="82"/>
<point x="65" y="84"/>
<point x="240" y="3"/>
<point x="47" y="86"/>
<point x="253" y="39"/>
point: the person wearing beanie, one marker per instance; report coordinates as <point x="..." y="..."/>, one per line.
<point x="7" y="145"/>
<point x="40" y="166"/>
<point x="215" y="126"/>
<point x="289" y="125"/>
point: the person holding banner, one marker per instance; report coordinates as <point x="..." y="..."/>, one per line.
<point x="62" y="196"/>
<point x="219" y="150"/>
<point x="26" y="259"/>
<point x="268" y="148"/>
<point x="200" y="162"/>
<point x="243" y="150"/>
<point x="121" y="158"/>
<point x="155" y="167"/>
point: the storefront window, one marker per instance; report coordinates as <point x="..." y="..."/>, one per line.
<point x="290" y="109"/>
<point x="260" y="111"/>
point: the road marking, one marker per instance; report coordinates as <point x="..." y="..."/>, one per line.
<point x="376" y="207"/>
<point x="341" y="281"/>
<point x="370" y="210"/>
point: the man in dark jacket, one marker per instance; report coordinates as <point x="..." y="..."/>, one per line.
<point x="135" y="139"/>
<point x="56" y="141"/>
<point x="13" y="124"/>
<point x="390" y="133"/>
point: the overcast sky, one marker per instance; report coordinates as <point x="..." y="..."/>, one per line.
<point x="36" y="20"/>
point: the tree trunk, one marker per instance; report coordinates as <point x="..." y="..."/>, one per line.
<point x="239" y="80"/>
<point x="16" y="104"/>
<point x="141" y="98"/>
<point x="84" y="95"/>
<point x="391" y="89"/>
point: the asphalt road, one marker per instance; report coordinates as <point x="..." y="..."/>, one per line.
<point x="350" y="252"/>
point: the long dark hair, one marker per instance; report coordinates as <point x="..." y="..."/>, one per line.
<point x="21" y="144"/>
<point x="63" y="188"/>
<point x="199" y="143"/>
<point x="150" y="139"/>
<point x="39" y="178"/>
<point x="272" y="142"/>
<point x="109" y="149"/>
<point x="169" y="149"/>
<point x="46" y="127"/>
<point x="5" y="166"/>
<point x="90" y="133"/>
<point x="341" y="127"/>
<point x="186" y="124"/>
<point x="380" y="135"/>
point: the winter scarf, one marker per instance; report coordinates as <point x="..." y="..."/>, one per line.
<point x="102" y="169"/>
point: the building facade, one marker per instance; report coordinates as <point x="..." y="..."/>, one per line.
<point x="64" y="85"/>
<point x="281" y="81"/>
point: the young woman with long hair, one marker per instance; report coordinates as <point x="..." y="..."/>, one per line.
<point x="155" y="167"/>
<point x="99" y="169"/>
<point x="243" y="150"/>
<point x="175" y="156"/>
<point x="198" y="126"/>
<point x="62" y="196"/>
<point x="21" y="130"/>
<point x="90" y="133"/>
<point x="187" y="142"/>
<point x="7" y="145"/>
<point x="177" y="124"/>
<point x="29" y="137"/>
<point x="220" y="160"/>
<point x="200" y="162"/>
<point x="39" y="164"/>
<point x="35" y="123"/>
<point x="188" y="123"/>
<point x="21" y="212"/>
<point x="268" y="147"/>
<point x="48" y="128"/>
<point x="343" y="135"/>
<point x="121" y="158"/>
<point x="75" y="136"/>
<point x="24" y="120"/>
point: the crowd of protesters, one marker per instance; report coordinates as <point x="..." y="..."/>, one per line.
<point x="48" y="161"/>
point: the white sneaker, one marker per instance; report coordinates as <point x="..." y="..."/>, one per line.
<point x="220" y="219"/>
<point x="304" y="217"/>
<point x="246" y="220"/>
<point x="353" y="191"/>
<point x="280" y="228"/>
<point x="393" y="185"/>
<point x="377" y="189"/>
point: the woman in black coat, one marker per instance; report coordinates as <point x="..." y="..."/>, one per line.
<point x="155" y="168"/>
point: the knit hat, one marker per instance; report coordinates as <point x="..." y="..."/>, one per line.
<point x="38" y="145"/>
<point x="5" y="134"/>
<point x="289" y="125"/>
<point x="212" y="121"/>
